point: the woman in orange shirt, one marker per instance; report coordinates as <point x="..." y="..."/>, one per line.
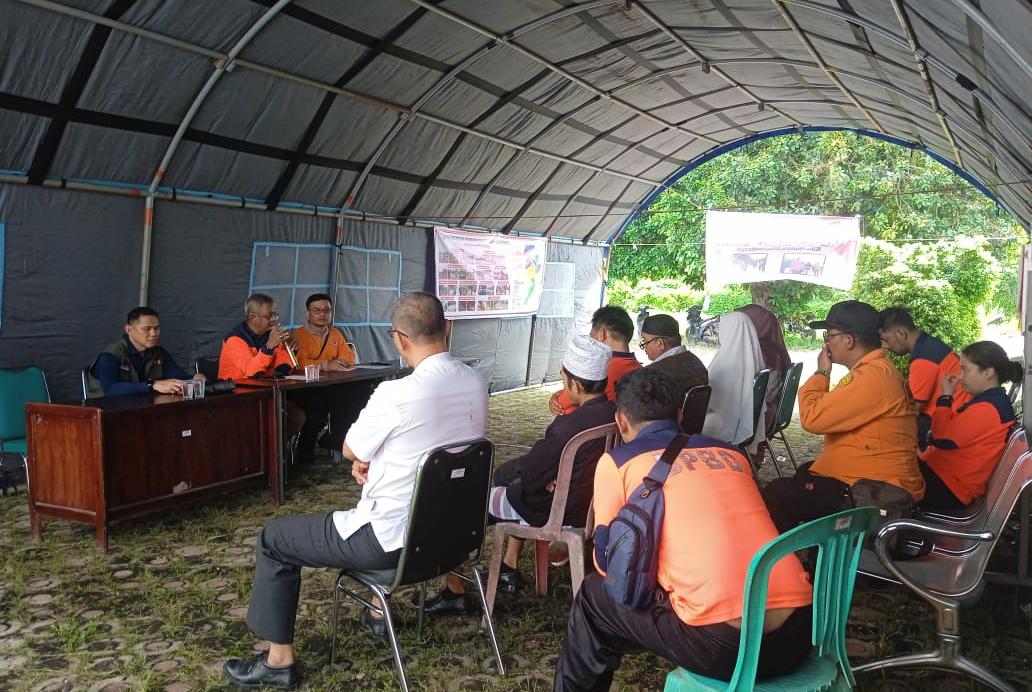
<point x="965" y="443"/>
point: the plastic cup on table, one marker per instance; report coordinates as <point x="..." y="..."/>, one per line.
<point x="198" y="389"/>
<point x="188" y="389"/>
<point x="312" y="372"/>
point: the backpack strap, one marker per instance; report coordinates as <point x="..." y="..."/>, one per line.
<point x="661" y="469"/>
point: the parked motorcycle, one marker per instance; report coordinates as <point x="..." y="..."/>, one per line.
<point x="701" y="329"/>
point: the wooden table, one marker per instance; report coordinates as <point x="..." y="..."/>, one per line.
<point x="118" y="457"/>
<point x="279" y="386"/>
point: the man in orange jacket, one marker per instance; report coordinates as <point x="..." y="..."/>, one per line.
<point x="255" y="346"/>
<point x="868" y="423"/>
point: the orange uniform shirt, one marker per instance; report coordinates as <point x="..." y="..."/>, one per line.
<point x="310" y="348"/>
<point x="966" y="442"/>
<point x="619" y="365"/>
<point x="930" y="361"/>
<point x="244" y="355"/>
<point x="714" y="524"/>
<point x="868" y="423"/>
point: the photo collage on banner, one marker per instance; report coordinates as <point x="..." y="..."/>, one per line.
<point x="488" y="274"/>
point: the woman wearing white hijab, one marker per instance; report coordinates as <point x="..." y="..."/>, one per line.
<point x="739" y="358"/>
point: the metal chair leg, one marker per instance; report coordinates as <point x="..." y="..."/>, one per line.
<point x="422" y="602"/>
<point x="478" y="580"/>
<point x="939" y="660"/>
<point x="385" y="608"/>
<point x="788" y="448"/>
<point x="333" y="622"/>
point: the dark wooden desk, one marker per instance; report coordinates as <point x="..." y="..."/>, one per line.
<point x="119" y="457"/>
<point x="280" y="386"/>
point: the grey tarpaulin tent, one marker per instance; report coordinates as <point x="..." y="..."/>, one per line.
<point x="363" y="123"/>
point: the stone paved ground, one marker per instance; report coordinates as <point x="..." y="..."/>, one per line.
<point x="167" y="605"/>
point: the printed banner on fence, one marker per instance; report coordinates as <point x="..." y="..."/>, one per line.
<point x="747" y="248"/>
<point x="488" y="274"/>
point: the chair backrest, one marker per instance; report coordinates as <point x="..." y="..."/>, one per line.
<point x="84" y="378"/>
<point x="786" y="402"/>
<point x="759" y="396"/>
<point x="840" y="538"/>
<point x="693" y="410"/>
<point x="996" y="490"/>
<point x="448" y="514"/>
<point x="209" y="367"/>
<point x="610" y="437"/>
<point x="17" y="388"/>
<point x="354" y="349"/>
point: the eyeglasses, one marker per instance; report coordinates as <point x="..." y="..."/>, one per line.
<point x="391" y="332"/>
<point x="828" y="336"/>
<point x="643" y="343"/>
<point x="321" y="311"/>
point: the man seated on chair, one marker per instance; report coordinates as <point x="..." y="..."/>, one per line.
<point x="704" y="555"/>
<point x="255" y="346"/>
<point x="869" y="427"/>
<point x="613" y="327"/>
<point x="442" y="402"/>
<point x="319" y="342"/>
<point x="524" y="487"/>
<point x="136" y="363"/>
<point x="661" y="341"/>
<point x="931" y="360"/>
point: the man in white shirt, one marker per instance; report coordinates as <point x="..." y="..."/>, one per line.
<point x="442" y="402"/>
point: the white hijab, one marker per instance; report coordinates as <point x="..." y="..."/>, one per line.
<point x="739" y="358"/>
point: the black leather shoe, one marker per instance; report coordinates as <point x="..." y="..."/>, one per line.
<point x="448" y="603"/>
<point x="258" y="673"/>
<point x="376" y="625"/>
<point x="509" y="580"/>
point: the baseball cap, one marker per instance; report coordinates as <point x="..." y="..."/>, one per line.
<point x="851" y="316"/>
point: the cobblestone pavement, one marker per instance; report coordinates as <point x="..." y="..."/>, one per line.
<point x="166" y="607"/>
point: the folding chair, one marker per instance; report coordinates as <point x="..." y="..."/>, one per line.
<point x="446" y="529"/>
<point x="786" y="406"/>
<point x="17" y="388"/>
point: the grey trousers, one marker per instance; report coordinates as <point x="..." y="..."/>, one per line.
<point x="306" y="540"/>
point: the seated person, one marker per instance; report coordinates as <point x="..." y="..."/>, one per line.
<point x="730" y="415"/>
<point x="930" y="361"/>
<point x="704" y="555"/>
<point x="255" y="346"/>
<point x="136" y="363"/>
<point x="524" y="486"/>
<point x="966" y="441"/>
<point x="442" y="402"/>
<point x="319" y="342"/>
<point x="775" y="355"/>
<point x="613" y="327"/>
<point x="661" y="341"/>
<point x="867" y="421"/>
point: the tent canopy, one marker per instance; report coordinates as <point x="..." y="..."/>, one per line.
<point x="539" y="116"/>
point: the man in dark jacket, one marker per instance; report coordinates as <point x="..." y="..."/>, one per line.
<point x="136" y="364"/>
<point x="524" y="487"/>
<point x="661" y="342"/>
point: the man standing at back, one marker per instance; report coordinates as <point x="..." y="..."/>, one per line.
<point x="661" y="341"/>
<point x="613" y="327"/>
<point x="443" y="402"/>
<point x="930" y="361"/>
<point x="868" y="424"/>
<point x="714" y="523"/>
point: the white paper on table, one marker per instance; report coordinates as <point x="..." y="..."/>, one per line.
<point x="368" y="367"/>
<point x="299" y="378"/>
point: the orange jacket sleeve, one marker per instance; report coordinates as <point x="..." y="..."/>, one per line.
<point x="844" y="408"/>
<point x="922" y="379"/>
<point x="609" y="498"/>
<point x="963" y="429"/>
<point x="237" y="360"/>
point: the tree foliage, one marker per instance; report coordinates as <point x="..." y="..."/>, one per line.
<point x="901" y="194"/>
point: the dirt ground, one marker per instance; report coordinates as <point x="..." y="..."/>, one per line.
<point x="166" y="607"/>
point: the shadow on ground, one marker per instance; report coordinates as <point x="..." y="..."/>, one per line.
<point x="165" y="608"/>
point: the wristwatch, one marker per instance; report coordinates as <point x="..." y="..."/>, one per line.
<point x="150" y="385"/>
<point x="826" y="373"/>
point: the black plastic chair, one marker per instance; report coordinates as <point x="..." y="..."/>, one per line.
<point x="786" y="406"/>
<point x="458" y="478"/>
<point x="693" y="410"/>
<point x="209" y="367"/>
<point x="84" y="377"/>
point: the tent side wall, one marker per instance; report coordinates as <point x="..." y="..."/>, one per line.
<point x="72" y="268"/>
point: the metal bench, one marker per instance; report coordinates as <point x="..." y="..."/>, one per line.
<point x="953" y="574"/>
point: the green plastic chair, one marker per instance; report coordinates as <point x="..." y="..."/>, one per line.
<point x="17" y="388"/>
<point x="840" y="538"/>
<point x="759" y="395"/>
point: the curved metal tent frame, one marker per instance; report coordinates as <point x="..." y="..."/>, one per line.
<point x="562" y="120"/>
